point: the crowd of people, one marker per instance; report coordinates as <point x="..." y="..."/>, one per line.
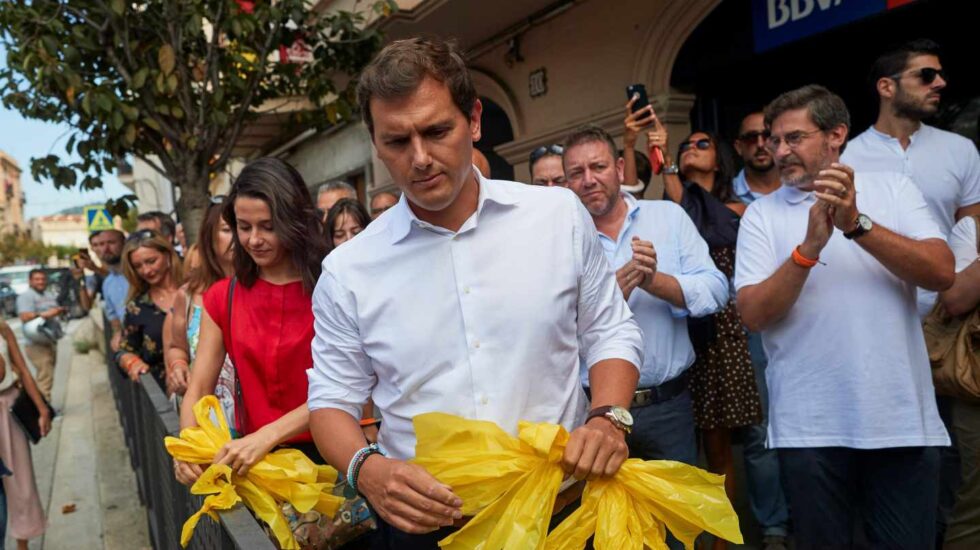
<point x="778" y="306"/>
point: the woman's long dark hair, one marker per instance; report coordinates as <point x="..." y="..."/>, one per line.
<point x="208" y="270"/>
<point x="350" y="207"/>
<point x="294" y="218"/>
<point x="725" y="159"/>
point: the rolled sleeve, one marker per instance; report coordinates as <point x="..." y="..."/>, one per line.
<point x="342" y="377"/>
<point x="755" y="260"/>
<point x="606" y="328"/>
<point x="704" y="286"/>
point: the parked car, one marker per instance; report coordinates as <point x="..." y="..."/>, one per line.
<point x="16" y="276"/>
<point x="8" y="300"/>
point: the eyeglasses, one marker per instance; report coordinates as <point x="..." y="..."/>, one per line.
<point x="703" y="144"/>
<point x="926" y="74"/>
<point x="546" y="150"/>
<point x="750" y="138"/>
<point x="792" y="139"/>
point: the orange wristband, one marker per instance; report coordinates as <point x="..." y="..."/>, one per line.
<point x="802" y="261"/>
<point x="365" y="422"/>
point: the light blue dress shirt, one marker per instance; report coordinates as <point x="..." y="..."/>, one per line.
<point x="115" y="287"/>
<point x="682" y="254"/>
<point x="487" y="322"/>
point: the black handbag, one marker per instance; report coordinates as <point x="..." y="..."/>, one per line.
<point x="26" y="414"/>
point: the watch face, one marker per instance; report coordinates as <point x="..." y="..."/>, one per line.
<point x="864" y="222"/>
<point x="622" y="416"/>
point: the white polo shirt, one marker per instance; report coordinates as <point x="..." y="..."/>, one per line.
<point x="963" y="243"/>
<point x="847" y="364"/>
<point x="945" y="167"/>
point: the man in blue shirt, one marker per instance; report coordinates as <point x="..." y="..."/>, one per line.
<point x="666" y="274"/>
<point x="108" y="246"/>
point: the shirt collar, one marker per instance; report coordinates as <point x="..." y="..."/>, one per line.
<point x="404" y="218"/>
<point x="793" y="195"/>
<point x="887" y="137"/>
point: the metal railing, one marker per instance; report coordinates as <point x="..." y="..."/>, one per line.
<point x="147" y="416"/>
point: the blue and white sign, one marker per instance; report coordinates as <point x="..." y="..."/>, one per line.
<point x="778" y="22"/>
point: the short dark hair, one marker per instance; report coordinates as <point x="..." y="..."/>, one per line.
<point x="897" y="58"/>
<point x="350" y="207"/>
<point x="35" y="271"/>
<point x="590" y="133"/>
<point x="401" y="66"/>
<point x="643" y="169"/>
<point x="825" y="108"/>
<point x="168" y="228"/>
<point x="294" y="218"/>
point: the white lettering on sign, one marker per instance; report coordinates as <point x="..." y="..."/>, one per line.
<point x="782" y="11"/>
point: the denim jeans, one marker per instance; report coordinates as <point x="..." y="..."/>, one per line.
<point x="894" y="490"/>
<point x="764" y="484"/>
<point x="664" y="431"/>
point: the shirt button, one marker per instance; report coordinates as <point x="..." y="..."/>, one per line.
<point x="476" y="344"/>
<point x="484" y="400"/>
<point x="466" y="290"/>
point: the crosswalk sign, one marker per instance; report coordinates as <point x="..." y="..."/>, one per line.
<point x="98" y="219"/>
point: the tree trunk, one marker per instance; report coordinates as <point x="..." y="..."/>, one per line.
<point x="192" y="205"/>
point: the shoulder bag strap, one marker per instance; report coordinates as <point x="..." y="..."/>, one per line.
<point x="240" y="416"/>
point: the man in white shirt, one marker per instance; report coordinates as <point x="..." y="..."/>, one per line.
<point x="826" y="269"/>
<point x="758" y="178"/>
<point x="945" y="166"/>
<point x="470" y="297"/>
<point x="665" y="273"/>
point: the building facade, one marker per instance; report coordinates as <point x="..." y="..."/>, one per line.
<point x="11" y="196"/>
<point x="60" y="230"/>
<point x="544" y="67"/>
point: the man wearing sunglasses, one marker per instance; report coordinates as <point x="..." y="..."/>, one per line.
<point x="759" y="176"/>
<point x="945" y="166"/>
<point x="545" y="166"/>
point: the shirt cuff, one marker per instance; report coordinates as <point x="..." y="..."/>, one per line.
<point x="697" y="298"/>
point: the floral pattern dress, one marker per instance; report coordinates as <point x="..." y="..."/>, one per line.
<point x="142" y="334"/>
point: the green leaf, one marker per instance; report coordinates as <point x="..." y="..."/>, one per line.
<point x="118" y="7"/>
<point x="151" y="124"/>
<point x="130" y="112"/>
<point x="139" y="79"/>
<point x="117" y="120"/>
<point x="87" y="104"/>
<point x="177" y="112"/>
<point x="129" y="136"/>
<point x="104" y="102"/>
<point x="172" y="83"/>
<point x="165" y="57"/>
<point x="50" y="44"/>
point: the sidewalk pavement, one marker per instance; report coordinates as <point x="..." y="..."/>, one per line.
<point x="84" y="461"/>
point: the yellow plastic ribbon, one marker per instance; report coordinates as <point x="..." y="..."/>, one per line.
<point x="286" y="475"/>
<point x="509" y="486"/>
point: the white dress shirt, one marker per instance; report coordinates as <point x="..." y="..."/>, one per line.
<point x="682" y="254"/>
<point x="945" y="167"/>
<point x="486" y="323"/>
<point x="847" y="364"/>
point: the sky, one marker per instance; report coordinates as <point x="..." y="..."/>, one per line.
<point x="24" y="139"/>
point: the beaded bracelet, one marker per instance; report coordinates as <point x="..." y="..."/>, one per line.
<point x="354" y="468"/>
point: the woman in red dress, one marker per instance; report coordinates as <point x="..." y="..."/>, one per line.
<point x="278" y="246"/>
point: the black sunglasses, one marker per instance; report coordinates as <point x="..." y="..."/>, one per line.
<point x="753" y="136"/>
<point x="141" y="234"/>
<point x="546" y="150"/>
<point x="926" y="74"/>
<point x="702" y="144"/>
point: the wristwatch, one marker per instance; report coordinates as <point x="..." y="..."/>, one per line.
<point x="862" y="226"/>
<point x="620" y="417"/>
<point x="671" y="169"/>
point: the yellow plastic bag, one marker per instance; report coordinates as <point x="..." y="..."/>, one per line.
<point x="286" y="475"/>
<point x="509" y="485"/>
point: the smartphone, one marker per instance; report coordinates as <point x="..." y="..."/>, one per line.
<point x="638" y="90"/>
